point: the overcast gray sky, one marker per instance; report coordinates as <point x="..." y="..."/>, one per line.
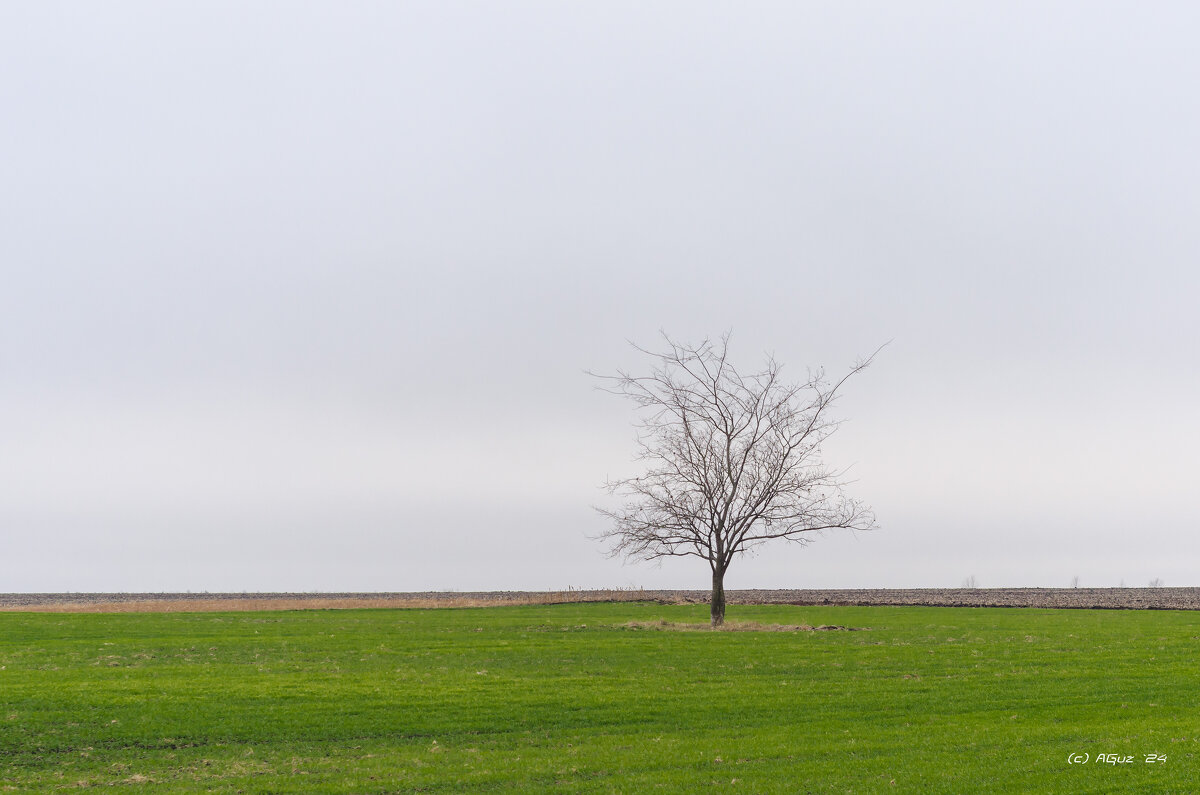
<point x="299" y="295"/>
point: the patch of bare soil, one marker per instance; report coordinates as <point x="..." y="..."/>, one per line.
<point x="735" y="626"/>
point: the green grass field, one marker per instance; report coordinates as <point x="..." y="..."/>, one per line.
<point x="565" y="698"/>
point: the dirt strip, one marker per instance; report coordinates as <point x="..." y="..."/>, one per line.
<point x="1085" y="598"/>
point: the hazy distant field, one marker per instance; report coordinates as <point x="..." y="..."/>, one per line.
<point x="570" y="698"/>
<point x="1107" y="598"/>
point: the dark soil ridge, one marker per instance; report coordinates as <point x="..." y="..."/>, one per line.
<point x="1078" y="598"/>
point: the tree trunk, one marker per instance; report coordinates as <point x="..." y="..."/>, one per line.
<point x="718" y="597"/>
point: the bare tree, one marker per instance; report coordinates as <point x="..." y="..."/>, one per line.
<point x="732" y="460"/>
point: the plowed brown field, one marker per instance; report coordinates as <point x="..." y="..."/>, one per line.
<point x="1086" y="598"/>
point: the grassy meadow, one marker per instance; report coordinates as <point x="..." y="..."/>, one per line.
<point x="571" y="698"/>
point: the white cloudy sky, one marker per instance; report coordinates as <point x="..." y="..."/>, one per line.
<point x="299" y="295"/>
